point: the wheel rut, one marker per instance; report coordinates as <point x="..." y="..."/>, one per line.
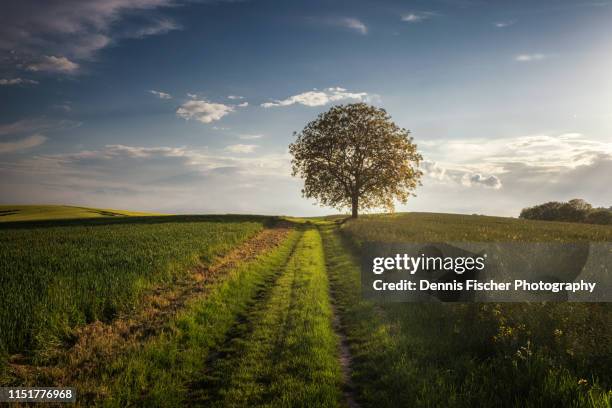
<point x="211" y="381"/>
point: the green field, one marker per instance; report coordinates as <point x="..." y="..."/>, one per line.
<point x="257" y="311"/>
<point x="57" y="276"/>
<point x="10" y="213"/>
<point x="555" y="354"/>
<point x="433" y="227"/>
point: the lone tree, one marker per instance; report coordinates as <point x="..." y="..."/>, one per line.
<point x="355" y="156"/>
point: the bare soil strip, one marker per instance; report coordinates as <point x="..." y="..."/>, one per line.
<point x="98" y="342"/>
<point x="345" y="360"/>
<point x="344" y="353"/>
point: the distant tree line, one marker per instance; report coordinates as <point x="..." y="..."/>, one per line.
<point x="576" y="210"/>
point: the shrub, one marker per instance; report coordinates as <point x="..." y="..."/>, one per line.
<point x="599" y="216"/>
<point x="576" y="210"/>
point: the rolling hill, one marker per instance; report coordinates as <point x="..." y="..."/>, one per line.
<point x="10" y="213"/>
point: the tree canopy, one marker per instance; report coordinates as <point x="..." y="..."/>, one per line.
<point x="576" y="210"/>
<point x="355" y="156"/>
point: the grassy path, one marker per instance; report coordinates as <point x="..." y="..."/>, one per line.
<point x="287" y="353"/>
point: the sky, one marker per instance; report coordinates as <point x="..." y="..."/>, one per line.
<point x="189" y="106"/>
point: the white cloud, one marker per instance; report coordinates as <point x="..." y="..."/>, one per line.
<point x="161" y="26"/>
<point x="493" y="162"/>
<point x="462" y="176"/>
<point x="418" y="16"/>
<point x="459" y="175"/>
<point x="565" y="150"/>
<point x="16" y="81"/>
<point x="318" y="98"/>
<point x="160" y="95"/>
<point x="241" y="148"/>
<point x="234" y="97"/>
<point x="162" y="178"/>
<point x="88" y="45"/>
<point x="22" y="144"/>
<point x="433" y="170"/>
<point x="203" y="111"/>
<point x="75" y="30"/>
<point x="125" y="165"/>
<point x="36" y="125"/>
<point x="478" y="179"/>
<point x="504" y="24"/>
<point x="353" y="24"/>
<point x="242" y="105"/>
<point x="65" y="107"/>
<point x="250" y="137"/>
<point x="501" y="176"/>
<point x="51" y="63"/>
<point x="530" y="57"/>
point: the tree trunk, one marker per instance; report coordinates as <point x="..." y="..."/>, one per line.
<point x="355" y="207"/>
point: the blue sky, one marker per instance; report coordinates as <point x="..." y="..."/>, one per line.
<point x="187" y="106"/>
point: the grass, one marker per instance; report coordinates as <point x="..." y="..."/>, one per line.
<point x="290" y="358"/>
<point x="160" y="372"/>
<point x="463" y="355"/>
<point x="55" y="277"/>
<point x="263" y="337"/>
<point x="9" y="213"/>
<point x="433" y="227"/>
<point x="262" y="334"/>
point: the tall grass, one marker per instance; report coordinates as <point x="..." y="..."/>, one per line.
<point x="470" y="354"/>
<point x="432" y="227"/>
<point x="55" y="276"/>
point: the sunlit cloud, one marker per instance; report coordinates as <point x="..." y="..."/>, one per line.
<point x="318" y="98"/>
<point x="51" y="63"/>
<point x="22" y="144"/>
<point x="158" y="27"/>
<point x="504" y="24"/>
<point x="203" y="111"/>
<point x="36" y="125"/>
<point x="250" y="136"/>
<point x="241" y="148"/>
<point x="353" y="24"/>
<point x="418" y="16"/>
<point x="530" y="57"/>
<point x="17" y="81"/>
<point x="463" y="176"/>
<point x="160" y="95"/>
<point x="489" y="162"/>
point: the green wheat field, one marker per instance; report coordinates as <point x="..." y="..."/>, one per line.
<point x="136" y="309"/>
